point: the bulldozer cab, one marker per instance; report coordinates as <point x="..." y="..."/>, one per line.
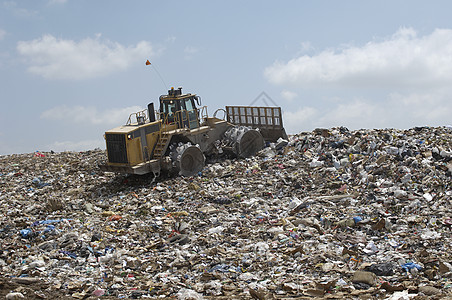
<point x="179" y="109"/>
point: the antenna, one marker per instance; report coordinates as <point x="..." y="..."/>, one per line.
<point x="158" y="73"/>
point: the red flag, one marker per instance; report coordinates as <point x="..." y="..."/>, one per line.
<point x="148" y="62"/>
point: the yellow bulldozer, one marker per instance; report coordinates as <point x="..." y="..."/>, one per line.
<point x="178" y="137"/>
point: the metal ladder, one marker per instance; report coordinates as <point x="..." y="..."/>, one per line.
<point x="161" y="145"/>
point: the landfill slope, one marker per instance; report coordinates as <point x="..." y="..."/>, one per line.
<point x="330" y="213"/>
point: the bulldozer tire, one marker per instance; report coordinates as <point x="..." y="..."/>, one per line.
<point x="250" y="143"/>
<point x="191" y="161"/>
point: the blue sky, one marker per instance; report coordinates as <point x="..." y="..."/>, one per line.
<point x="70" y="70"/>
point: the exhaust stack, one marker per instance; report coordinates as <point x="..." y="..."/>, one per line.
<point x="151" y="112"/>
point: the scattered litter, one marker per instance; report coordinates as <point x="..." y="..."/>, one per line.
<point x="330" y="213"/>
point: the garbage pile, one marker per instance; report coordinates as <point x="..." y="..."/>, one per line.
<point x="330" y="213"/>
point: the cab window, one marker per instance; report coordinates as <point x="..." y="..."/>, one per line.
<point x="169" y="110"/>
<point x="188" y="104"/>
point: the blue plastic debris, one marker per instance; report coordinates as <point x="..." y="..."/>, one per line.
<point x="357" y="219"/>
<point x="70" y="254"/>
<point x="25" y="233"/>
<point x="49" y="228"/>
<point x="409" y="266"/>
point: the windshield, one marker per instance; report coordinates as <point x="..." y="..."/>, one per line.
<point x="169" y="109"/>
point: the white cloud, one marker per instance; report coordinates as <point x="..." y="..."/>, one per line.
<point x="2" y="34"/>
<point x="396" y="111"/>
<point x="354" y="114"/>
<point x="19" y="11"/>
<point x="299" y="120"/>
<point x="55" y="58"/>
<point x="401" y="81"/>
<point x="288" y="95"/>
<point x="402" y="60"/>
<point x="76" y="146"/>
<point x="305" y="47"/>
<point x="190" y="51"/>
<point x="170" y="39"/>
<point x="90" y="115"/>
<point x="428" y="109"/>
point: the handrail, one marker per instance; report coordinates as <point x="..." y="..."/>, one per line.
<point x="202" y="113"/>
<point x="141" y="113"/>
<point x="157" y="114"/>
<point x="183" y="115"/>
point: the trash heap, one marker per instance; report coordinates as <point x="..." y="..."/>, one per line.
<point x="330" y="213"/>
